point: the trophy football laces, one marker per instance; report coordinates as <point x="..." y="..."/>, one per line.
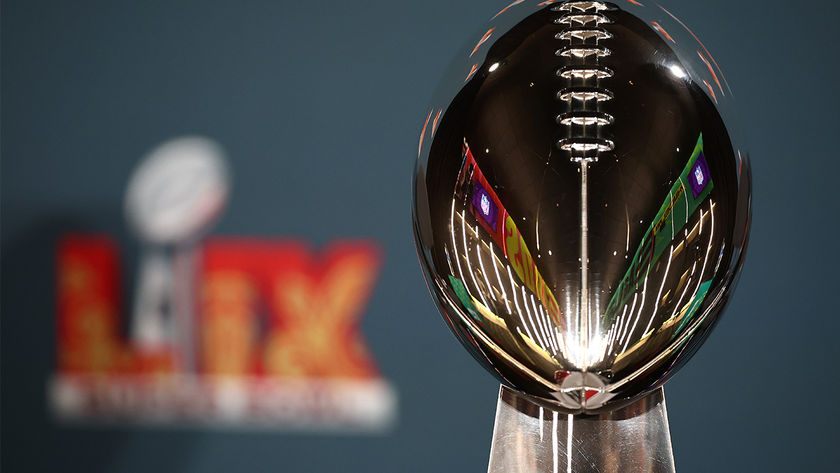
<point x="584" y="93"/>
<point x="583" y="118"/>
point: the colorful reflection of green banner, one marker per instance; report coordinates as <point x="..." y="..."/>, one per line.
<point x="464" y="297"/>
<point x="671" y="218"/>
<point x="692" y="306"/>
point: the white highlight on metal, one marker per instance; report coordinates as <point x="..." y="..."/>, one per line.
<point x="607" y="145"/>
<point x="584" y="73"/>
<point x="629" y="316"/>
<point x="584" y="52"/>
<point x="519" y="309"/>
<point x="583" y="318"/>
<point x="539" y="339"/>
<point x="501" y="285"/>
<point x="457" y="257"/>
<point x="584" y="95"/>
<point x="638" y="314"/>
<point x="540" y="326"/>
<point x="561" y="342"/>
<point x="678" y="71"/>
<point x="583" y="35"/>
<point x="552" y="336"/>
<point x="617" y="325"/>
<point x="581" y="6"/>
<point x="569" y="421"/>
<point x="543" y="324"/>
<point x="484" y="273"/>
<point x="687" y="285"/>
<point x="584" y="121"/>
<point x="656" y="301"/>
<point x="466" y="255"/>
<point x="708" y="248"/>
<point x="582" y="19"/>
<point x="554" y="440"/>
<point x="627" y="218"/>
<point x="623" y="318"/>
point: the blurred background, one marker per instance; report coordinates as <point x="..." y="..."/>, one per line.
<point x="319" y="106"/>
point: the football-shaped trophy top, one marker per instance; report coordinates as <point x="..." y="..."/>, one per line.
<point x="581" y="203"/>
<point x="178" y="191"/>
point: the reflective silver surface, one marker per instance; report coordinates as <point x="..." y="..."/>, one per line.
<point x="531" y="438"/>
<point x="581" y="200"/>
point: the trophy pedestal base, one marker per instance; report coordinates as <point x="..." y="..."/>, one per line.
<point x="531" y="438"/>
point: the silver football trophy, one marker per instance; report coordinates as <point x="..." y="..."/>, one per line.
<point x="581" y="212"/>
<point x="174" y="197"/>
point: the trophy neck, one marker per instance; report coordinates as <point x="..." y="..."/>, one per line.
<point x="531" y="438"/>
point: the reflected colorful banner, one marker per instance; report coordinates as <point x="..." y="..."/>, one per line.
<point x="493" y="217"/>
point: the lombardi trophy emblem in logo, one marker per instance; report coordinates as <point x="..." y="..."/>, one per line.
<point x="172" y="200"/>
<point x="581" y="212"/>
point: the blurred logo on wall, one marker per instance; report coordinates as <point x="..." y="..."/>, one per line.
<point x="222" y="331"/>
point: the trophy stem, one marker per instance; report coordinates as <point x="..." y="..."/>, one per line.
<point x="531" y="438"/>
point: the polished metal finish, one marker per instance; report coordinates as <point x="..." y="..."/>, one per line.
<point x="531" y="438"/>
<point x="581" y="200"/>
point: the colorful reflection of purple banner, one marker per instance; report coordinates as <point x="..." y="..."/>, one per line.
<point x="482" y="201"/>
<point x="699" y="175"/>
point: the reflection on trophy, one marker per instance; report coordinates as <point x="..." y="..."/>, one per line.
<point x="581" y="212"/>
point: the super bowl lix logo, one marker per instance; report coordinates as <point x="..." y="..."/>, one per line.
<point x="249" y="331"/>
